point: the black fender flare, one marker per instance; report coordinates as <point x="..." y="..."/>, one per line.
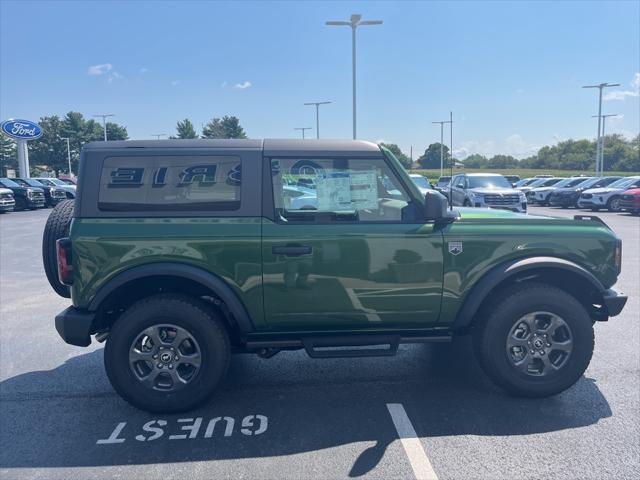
<point x="501" y="272"/>
<point x="189" y="272"/>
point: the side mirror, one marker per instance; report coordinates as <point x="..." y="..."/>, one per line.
<point x="435" y="206"/>
<point x="460" y="185"/>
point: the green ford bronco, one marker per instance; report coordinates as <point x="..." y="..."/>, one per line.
<point x="178" y="253"/>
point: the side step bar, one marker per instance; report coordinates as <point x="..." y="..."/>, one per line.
<point x="338" y="347"/>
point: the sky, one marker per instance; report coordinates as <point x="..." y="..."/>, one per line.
<point x="511" y="72"/>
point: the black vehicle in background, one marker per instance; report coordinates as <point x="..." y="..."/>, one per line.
<point x="567" y="197"/>
<point x="52" y="195"/>
<point x="26" y="198"/>
<point x="513" y="179"/>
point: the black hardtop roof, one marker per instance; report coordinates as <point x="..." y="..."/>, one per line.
<point x="270" y="147"/>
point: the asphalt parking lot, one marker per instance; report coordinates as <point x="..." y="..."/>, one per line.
<point x="294" y="417"/>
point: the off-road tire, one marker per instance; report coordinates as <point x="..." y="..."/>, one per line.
<point x="495" y="323"/>
<point x="57" y="226"/>
<point x="185" y="312"/>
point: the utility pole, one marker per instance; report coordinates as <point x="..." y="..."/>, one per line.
<point x="442" y="145"/>
<point x="68" y="154"/>
<point x="600" y="86"/>
<point x="354" y="23"/>
<point x="158" y="135"/>
<point x="303" y="129"/>
<point x="604" y="121"/>
<point x="317" y="104"/>
<point x="104" y="122"/>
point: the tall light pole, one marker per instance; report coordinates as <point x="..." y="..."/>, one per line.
<point x="600" y="86"/>
<point x="317" y="104"/>
<point x="303" y="129"/>
<point x="604" y="122"/>
<point x="68" y="154"/>
<point x="442" y="145"/>
<point x="354" y="23"/>
<point x="104" y="122"/>
<point x="158" y="135"/>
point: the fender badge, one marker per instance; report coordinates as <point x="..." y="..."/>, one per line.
<point x="455" y="248"/>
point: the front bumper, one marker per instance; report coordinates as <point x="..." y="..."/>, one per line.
<point x="614" y="302"/>
<point x="74" y="326"/>
<point x="7" y="206"/>
<point x="563" y="201"/>
<point x="630" y="205"/>
<point x="513" y="207"/>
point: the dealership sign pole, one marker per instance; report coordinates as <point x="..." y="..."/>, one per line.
<point x="22" y="131"/>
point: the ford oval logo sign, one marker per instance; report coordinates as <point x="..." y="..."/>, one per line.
<point x="21" y="129"/>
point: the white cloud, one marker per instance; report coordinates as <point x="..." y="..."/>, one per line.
<point x="175" y="82"/>
<point x="223" y="84"/>
<point x="513" y="145"/>
<point x="622" y="94"/>
<point x="100" y="69"/>
<point x="114" y="76"/>
<point x="243" y="85"/>
<point x="143" y="70"/>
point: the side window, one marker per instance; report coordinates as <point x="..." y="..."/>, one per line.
<point x="170" y="183"/>
<point x="336" y="189"/>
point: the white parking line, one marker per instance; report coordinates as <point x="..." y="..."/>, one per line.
<point x="417" y="456"/>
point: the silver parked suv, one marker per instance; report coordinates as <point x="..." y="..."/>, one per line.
<point x="486" y="190"/>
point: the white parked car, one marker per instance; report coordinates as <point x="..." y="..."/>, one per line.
<point x="7" y="202"/>
<point x="70" y="190"/>
<point x="607" y="197"/>
<point x="421" y="182"/>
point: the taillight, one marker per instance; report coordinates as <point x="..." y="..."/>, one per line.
<point x="618" y="256"/>
<point x="65" y="266"/>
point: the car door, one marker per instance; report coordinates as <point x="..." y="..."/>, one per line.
<point x="357" y="257"/>
<point x="458" y="193"/>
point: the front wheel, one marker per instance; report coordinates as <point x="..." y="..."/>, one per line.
<point x="167" y="354"/>
<point x="613" y="204"/>
<point x="536" y="342"/>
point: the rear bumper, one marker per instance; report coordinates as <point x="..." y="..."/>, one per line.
<point x="74" y="326"/>
<point x="614" y="301"/>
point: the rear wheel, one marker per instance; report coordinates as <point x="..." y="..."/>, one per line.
<point x="167" y="354"/>
<point x="57" y="227"/>
<point x="537" y="341"/>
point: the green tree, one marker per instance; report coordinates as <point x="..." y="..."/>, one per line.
<point x="185" y="129"/>
<point x="49" y="150"/>
<point x="395" y="149"/>
<point x="431" y="157"/>
<point x="225" y="127"/>
<point x="475" y="160"/>
<point x="501" y="161"/>
<point x="115" y="132"/>
<point x="8" y="155"/>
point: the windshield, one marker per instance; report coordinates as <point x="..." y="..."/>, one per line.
<point x="571" y="182"/>
<point x="488" y="181"/>
<point x="623" y="182"/>
<point x="420" y="181"/>
<point x="8" y="183"/>
<point x="48" y="181"/>
<point x="592" y="181"/>
<point x="28" y="182"/>
<point x="525" y="181"/>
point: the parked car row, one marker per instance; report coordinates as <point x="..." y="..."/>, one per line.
<point x="33" y="193"/>
<point x="613" y="193"/>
